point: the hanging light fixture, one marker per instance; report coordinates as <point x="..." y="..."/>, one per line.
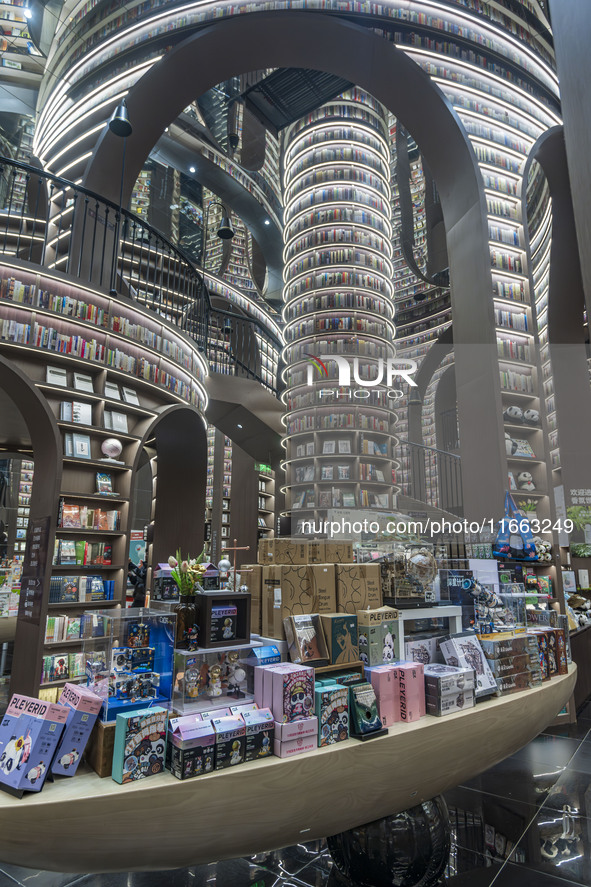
<point x="119" y="123"/>
<point x="225" y="231"/>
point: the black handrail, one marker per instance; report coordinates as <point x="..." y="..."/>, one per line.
<point x="431" y="476"/>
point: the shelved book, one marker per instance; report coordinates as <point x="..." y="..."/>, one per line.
<point x="77" y="445"/>
<point x="63" y="667"/>
<point x="82" y="553"/>
<point x="62" y="628"/>
<point x="115" y="421"/>
<point x="77" y="412"/>
<point x="80" y="589"/>
<point x="81" y="517"/>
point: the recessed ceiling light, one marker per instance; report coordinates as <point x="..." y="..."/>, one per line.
<point x="192" y="169"/>
<point x="267" y="222"/>
<point x="27" y="13"/>
<point x="239" y="426"/>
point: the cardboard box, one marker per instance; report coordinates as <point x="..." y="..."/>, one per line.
<point x="358" y="587"/>
<point x="83" y="708"/>
<point x="509" y="665"/>
<point x="293" y="590"/>
<point x="263" y="682"/>
<point x="331" y="704"/>
<point x="443" y="679"/>
<point x="411" y="688"/>
<point x="450" y="702"/>
<point x="340" y="633"/>
<point x="293" y="693"/>
<point x="423" y="650"/>
<point x="191" y="747"/>
<point x="29" y="735"/>
<point x="99" y="750"/>
<point x="260" y="729"/>
<point x="464" y="649"/>
<point x="387" y="690"/>
<point x="379" y="643"/>
<point x="338" y="552"/>
<point x="282" y="551"/>
<point x="515" y="683"/>
<point x="295" y="729"/>
<point x="542" y="642"/>
<point x="251" y="575"/>
<point x="230" y="741"/>
<point x="295" y="746"/>
<point x="499" y="646"/>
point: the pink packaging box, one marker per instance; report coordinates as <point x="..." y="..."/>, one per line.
<point x="295" y="746"/>
<point x="293" y="693"/>
<point x="411" y="685"/>
<point x="83" y="707"/>
<point x="263" y="683"/>
<point x="387" y="690"/>
<point x="295" y="729"/>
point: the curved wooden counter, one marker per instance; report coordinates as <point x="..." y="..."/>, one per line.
<point x="87" y="824"/>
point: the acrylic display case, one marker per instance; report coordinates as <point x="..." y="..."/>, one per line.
<point x="208" y="679"/>
<point x="129" y="659"/>
<point x="409" y="576"/>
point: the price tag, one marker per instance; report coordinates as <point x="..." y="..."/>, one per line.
<point x="277" y="598"/>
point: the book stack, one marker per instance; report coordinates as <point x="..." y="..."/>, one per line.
<point x="82" y="553"/>
<point x="62" y="628"/>
<point x="81" y="517"/>
<point x="62" y="666"/>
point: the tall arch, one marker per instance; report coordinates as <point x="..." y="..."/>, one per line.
<point x="309" y="40"/>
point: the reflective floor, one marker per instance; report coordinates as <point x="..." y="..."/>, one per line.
<point x="524" y="823"/>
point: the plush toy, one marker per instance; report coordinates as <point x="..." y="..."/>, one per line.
<point x="510" y="445"/>
<point x="525" y="481"/>
<point x="513" y="414"/>
<point x="531" y="417"/>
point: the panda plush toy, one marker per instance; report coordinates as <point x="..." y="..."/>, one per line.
<point x="525" y="481"/>
<point x="510" y="445"/>
<point x="514" y="415"/>
<point x="531" y="417"/>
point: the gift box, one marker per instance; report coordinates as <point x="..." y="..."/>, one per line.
<point x="422" y="649"/>
<point x="293" y="693"/>
<point x="449" y="702"/>
<point x="332" y="710"/>
<point x="340" y="633"/>
<point x="442" y="679"/>
<point x="30" y="732"/>
<point x="464" y="649"/>
<point x="230" y="741"/>
<point x="387" y="690"/>
<point x="296" y="729"/>
<point x="296" y="746"/>
<point x="411" y="690"/>
<point x="140" y="744"/>
<point x="305" y="639"/>
<point x="260" y="734"/>
<point x="379" y="643"/>
<point x="191" y="747"/>
<point x="83" y="708"/>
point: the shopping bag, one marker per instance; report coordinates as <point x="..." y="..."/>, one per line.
<point x="514" y="540"/>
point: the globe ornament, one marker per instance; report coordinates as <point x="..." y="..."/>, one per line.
<point x="111" y="448"/>
<point x="224" y="566"/>
<point x="408" y="849"/>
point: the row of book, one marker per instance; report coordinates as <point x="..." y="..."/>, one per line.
<point x="513" y="350"/>
<point x="338" y="498"/>
<point x="63" y="667"/>
<point x="84" y="518"/>
<point x="519" y="382"/>
<point x="81" y="553"/>
<point x="351" y="278"/>
<point x="71" y="628"/>
<point x="515" y="320"/>
<point x="80" y="589"/>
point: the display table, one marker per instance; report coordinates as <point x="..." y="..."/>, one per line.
<point x="88" y="824"/>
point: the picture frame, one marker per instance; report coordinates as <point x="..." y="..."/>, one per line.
<point x="81" y="446"/>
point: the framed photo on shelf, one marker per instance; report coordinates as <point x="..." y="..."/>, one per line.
<point x="569" y="581"/>
<point x="344" y="447"/>
<point x="344" y="472"/>
<point x="81" y="446"/>
<point x="327" y="472"/>
<point x="82" y="382"/>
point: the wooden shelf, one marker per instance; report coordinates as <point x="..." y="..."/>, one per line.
<point x="62" y="681"/>
<point x="83" y="605"/>
<point x="79" y="531"/>
<point x="96" y="463"/>
<point x="95" y="497"/>
<point x="61" y="568"/>
<point x="96" y="397"/>
<point x="69" y="643"/>
<point x="103" y="432"/>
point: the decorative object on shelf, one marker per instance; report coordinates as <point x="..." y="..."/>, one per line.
<point x="513" y="414"/>
<point x="510" y="445"/>
<point x="191" y="638"/>
<point x="525" y="481"/>
<point x="510" y="545"/>
<point x="111" y="447"/>
<point x="186" y="574"/>
<point x="410" y="848"/>
<point x="531" y="417"/>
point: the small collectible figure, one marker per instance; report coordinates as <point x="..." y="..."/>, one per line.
<point x="191" y="638"/>
<point x="215" y="681"/>
<point x="235" y="757"/>
<point x="138" y="635"/>
<point x="228" y="631"/>
<point x="265" y="746"/>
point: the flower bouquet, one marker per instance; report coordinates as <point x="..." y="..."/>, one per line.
<point x="186" y="572"/>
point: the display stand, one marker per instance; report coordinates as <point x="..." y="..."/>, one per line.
<point x="211" y="817"/>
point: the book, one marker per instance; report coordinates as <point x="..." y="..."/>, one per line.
<point x="140" y="736"/>
<point x="104" y="483"/>
<point x="343" y="472"/>
<point x="81" y="446"/>
<point x="324" y="499"/>
<point x="66" y="411"/>
<point x="70" y="516"/>
<point x="82" y="382"/>
<point x="348" y="500"/>
<point x="81" y="413"/>
<point x="344" y="446"/>
<point x="115" y="421"/>
<point x="112" y="391"/>
<point x="327" y="472"/>
<point x="523" y="448"/>
<point x="68" y="444"/>
<point x="329" y="447"/>
<point x="56" y="376"/>
<point x="129" y="396"/>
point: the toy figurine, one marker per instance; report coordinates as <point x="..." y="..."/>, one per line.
<point x="215" y="681"/>
<point x="228" y="631"/>
<point x="265" y="746"/>
<point x="191" y="638"/>
<point x="236" y="675"/>
<point x="235" y="757"/>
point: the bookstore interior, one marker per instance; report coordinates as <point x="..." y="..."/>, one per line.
<point x="294" y="409"/>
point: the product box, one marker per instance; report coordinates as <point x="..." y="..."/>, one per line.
<point x="222" y="617"/>
<point x="241" y="709"/>
<point x="99" y="751"/>
<point x="450" y="702"/>
<point x="293" y="693"/>
<point x="500" y="645"/>
<point x="295" y="746"/>
<point x="323" y="551"/>
<point x="340" y="633"/>
<point x="293" y="590"/>
<point x="260" y="730"/>
<point x="282" y="551"/>
<point x="332" y="710"/>
<point x="379" y="643"/>
<point x="263" y="682"/>
<point x="295" y="729"/>
<point x="230" y="741"/>
<point x="30" y="732"/>
<point x="411" y="690"/>
<point x="542" y="642"/>
<point x="514" y="683"/>
<point x="509" y="665"/>
<point x="423" y="650"/>
<point x="442" y="679"/>
<point x="164" y="588"/>
<point x="464" y="649"/>
<point x="556" y="651"/>
<point x="83" y="708"/>
<point x="251" y="575"/>
<point x="223" y="623"/>
<point x="363" y="709"/>
<point x="140" y="744"/>
<point x="358" y="587"/>
<point x="191" y="747"/>
<point x="387" y="690"/>
<point x="305" y="639"/>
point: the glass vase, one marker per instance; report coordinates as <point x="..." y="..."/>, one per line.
<point x="185" y="619"/>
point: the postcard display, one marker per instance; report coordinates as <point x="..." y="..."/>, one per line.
<point x="129" y="660"/>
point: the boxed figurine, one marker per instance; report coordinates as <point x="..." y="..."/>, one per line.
<point x="358" y="587"/>
<point x="263" y="686"/>
<point x="450" y="702"/>
<point x="293" y="590"/>
<point x="265" y="655"/>
<point x="164" y="588"/>
<point x="497" y="646"/>
<point x="223" y="618"/>
<point x="464" y="649"/>
<point x="230" y="741"/>
<point x="191" y="747"/>
<point x="411" y="690"/>
<point x="556" y="651"/>
<point x="296" y="729"/>
<point x="340" y="632"/>
<point x="442" y="679"/>
<point x="379" y="643"/>
<point x="422" y="649"/>
<point x="83" y="708"/>
<point x="140" y="744"/>
<point x="209" y="678"/>
<point x="243" y="707"/>
<point x="295" y="746"/>
<point x="260" y="730"/>
<point x="30" y="732"/>
<point x="387" y="690"/>
<point x="332" y="710"/>
<point x="541" y="638"/>
<point x="305" y="639"/>
<point x="293" y="693"/>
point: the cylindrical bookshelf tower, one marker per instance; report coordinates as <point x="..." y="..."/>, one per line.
<point x="338" y="303"/>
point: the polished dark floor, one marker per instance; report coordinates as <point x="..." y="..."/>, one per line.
<point x="524" y="823"/>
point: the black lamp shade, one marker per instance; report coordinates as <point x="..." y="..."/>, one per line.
<point x="119" y="123"/>
<point x="225" y="231"/>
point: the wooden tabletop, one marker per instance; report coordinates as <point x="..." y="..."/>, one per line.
<point x="88" y="824"/>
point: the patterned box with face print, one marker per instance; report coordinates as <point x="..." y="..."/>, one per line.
<point x="293" y="693"/>
<point x="464" y="650"/>
<point x="332" y="711"/>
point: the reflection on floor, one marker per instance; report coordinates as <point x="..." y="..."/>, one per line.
<point x="524" y="823"/>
